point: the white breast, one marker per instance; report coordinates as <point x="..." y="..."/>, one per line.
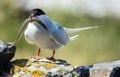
<point x="36" y="34"/>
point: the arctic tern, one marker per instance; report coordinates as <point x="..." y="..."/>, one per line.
<point x="45" y="33"/>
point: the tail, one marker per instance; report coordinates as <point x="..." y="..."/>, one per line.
<point x="70" y="30"/>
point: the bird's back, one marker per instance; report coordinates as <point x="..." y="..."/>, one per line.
<point x="55" y="30"/>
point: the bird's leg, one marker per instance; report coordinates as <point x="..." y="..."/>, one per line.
<point x="38" y="51"/>
<point x="38" y="55"/>
<point x="52" y="57"/>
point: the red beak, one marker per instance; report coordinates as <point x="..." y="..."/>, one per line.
<point x="31" y="17"/>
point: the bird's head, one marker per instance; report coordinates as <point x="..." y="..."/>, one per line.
<point x="35" y="12"/>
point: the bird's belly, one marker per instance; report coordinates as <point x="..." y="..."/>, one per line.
<point x="40" y="37"/>
<point x="49" y="44"/>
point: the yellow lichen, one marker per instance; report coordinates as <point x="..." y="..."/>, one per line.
<point x="28" y="64"/>
<point x="37" y="65"/>
<point x="30" y="76"/>
<point x="38" y="73"/>
<point x="24" y="69"/>
<point x="21" y="75"/>
<point x="48" y="65"/>
<point x="16" y="69"/>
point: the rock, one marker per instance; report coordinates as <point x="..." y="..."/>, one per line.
<point x="47" y="68"/>
<point x="7" y="52"/>
<point x="83" y="71"/>
<point x="107" y="69"/>
<point x="41" y="67"/>
<point x="115" y="72"/>
<point x="60" y="68"/>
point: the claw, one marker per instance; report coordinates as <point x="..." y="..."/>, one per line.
<point x="38" y="55"/>
<point x="52" y="57"/>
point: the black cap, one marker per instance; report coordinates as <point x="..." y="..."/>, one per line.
<point x="36" y="12"/>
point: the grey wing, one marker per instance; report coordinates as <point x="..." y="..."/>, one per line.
<point x="56" y="32"/>
<point x="59" y="35"/>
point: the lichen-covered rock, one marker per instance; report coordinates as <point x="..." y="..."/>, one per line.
<point x="41" y="68"/>
<point x="46" y="68"/>
<point x="60" y="68"/>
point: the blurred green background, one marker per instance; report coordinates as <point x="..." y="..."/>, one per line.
<point x="92" y="46"/>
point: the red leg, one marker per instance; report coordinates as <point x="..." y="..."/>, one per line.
<point x="39" y="51"/>
<point x="38" y="55"/>
<point x="52" y="57"/>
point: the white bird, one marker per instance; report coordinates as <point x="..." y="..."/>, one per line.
<point x="45" y="33"/>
